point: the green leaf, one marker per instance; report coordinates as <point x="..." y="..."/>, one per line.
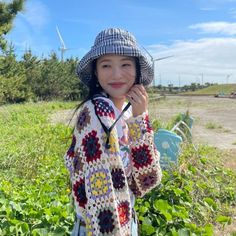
<point x="167" y="215"/>
<point x="178" y="191"/>
<point x="161" y="205"/>
<point x="143" y="209"/>
<point x="148" y="229"/>
<point x="203" y="160"/>
<point x="183" y="232"/>
<point x="208" y="230"/>
<point x="223" y="219"/>
<point x="40" y="232"/>
<point x="23" y="227"/>
<point x="210" y="202"/>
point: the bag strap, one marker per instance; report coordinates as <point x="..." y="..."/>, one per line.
<point x="108" y="130"/>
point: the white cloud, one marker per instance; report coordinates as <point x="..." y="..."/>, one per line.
<point x="203" y="60"/>
<point x="220" y="27"/>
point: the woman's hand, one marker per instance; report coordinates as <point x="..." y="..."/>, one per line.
<point x="138" y="98"/>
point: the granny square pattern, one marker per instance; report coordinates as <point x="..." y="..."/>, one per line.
<point x="103" y="178"/>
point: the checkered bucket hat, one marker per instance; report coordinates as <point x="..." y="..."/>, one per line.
<point x="115" y="41"/>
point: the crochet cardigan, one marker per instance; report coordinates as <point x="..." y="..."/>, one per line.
<point x="100" y="184"/>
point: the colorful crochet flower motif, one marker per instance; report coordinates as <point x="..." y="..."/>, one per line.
<point x="83" y="119"/>
<point x="91" y="147"/>
<point x="114" y="146"/>
<point x="141" y="156"/>
<point x="118" y="178"/>
<point x="106" y="221"/>
<point x="147" y="123"/>
<point x="104" y="109"/>
<point x="71" y="151"/>
<point x="99" y="183"/>
<point x="124" y="212"/>
<point x="77" y="163"/>
<point x="134" y="130"/>
<point x="148" y="180"/>
<point x="79" y="192"/>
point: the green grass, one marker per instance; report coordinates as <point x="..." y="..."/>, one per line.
<point x="215" y="89"/>
<point x="33" y="180"/>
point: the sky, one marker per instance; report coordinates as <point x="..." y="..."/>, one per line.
<point x="198" y="35"/>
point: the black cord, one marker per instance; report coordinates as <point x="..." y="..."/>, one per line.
<point x="108" y="130"/>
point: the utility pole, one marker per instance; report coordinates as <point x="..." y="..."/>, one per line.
<point x="227" y="78"/>
<point x="179" y="81"/>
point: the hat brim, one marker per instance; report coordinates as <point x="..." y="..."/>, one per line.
<point x="84" y="69"/>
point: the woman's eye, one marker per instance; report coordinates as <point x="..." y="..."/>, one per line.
<point x="126" y="65"/>
<point x="105" y="66"/>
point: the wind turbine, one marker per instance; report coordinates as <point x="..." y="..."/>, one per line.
<point x="153" y="60"/>
<point x="63" y="47"/>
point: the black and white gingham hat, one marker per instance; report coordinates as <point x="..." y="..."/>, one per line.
<point x="116" y="41"/>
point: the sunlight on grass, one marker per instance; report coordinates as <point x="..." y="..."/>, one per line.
<point x="212" y="125"/>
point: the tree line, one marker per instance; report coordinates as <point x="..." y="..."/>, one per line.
<point x="32" y="78"/>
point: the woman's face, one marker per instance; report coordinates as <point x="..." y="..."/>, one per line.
<point x="116" y="74"/>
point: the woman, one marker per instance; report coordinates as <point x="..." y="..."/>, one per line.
<point x="112" y="158"/>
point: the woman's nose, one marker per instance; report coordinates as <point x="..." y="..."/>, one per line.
<point x="117" y="73"/>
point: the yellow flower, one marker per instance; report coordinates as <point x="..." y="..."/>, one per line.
<point x="135" y="130"/>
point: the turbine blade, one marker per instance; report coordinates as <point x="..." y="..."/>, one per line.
<point x="148" y="52"/>
<point x="60" y="37"/>
<point x="162" y="58"/>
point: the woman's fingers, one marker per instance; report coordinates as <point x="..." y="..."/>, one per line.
<point x="139" y="89"/>
<point x="138" y="98"/>
<point x="138" y="93"/>
<point x="135" y="97"/>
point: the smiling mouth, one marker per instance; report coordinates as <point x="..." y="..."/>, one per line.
<point x="117" y="85"/>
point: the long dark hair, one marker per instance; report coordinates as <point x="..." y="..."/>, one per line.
<point x="96" y="89"/>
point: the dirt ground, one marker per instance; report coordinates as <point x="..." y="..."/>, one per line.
<point x="214" y="120"/>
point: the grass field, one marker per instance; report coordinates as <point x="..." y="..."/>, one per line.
<point x="195" y="198"/>
<point x="215" y="89"/>
<point x="33" y="181"/>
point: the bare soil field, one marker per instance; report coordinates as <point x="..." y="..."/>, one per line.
<point x="214" y="118"/>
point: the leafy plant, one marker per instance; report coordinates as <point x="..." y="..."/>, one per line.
<point x="192" y="197"/>
<point x="34" y="186"/>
